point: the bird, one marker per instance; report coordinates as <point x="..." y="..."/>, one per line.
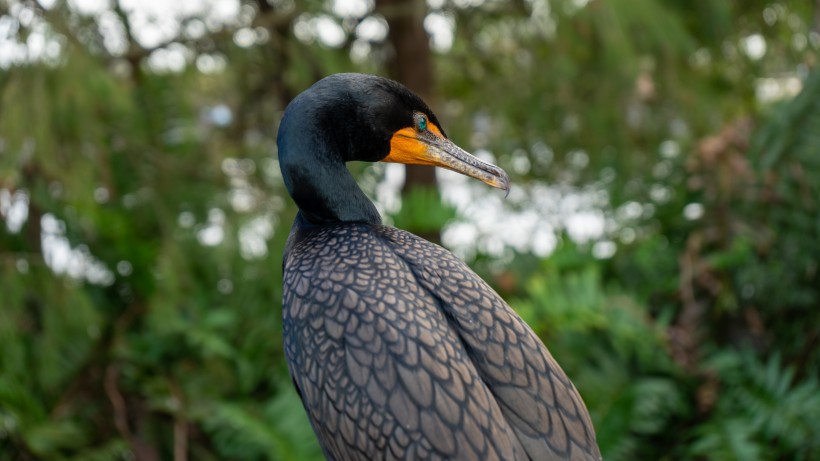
<point x="396" y="347"/>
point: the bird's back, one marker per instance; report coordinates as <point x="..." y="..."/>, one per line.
<point x="400" y="351"/>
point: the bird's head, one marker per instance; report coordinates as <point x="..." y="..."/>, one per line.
<point x="370" y="118"/>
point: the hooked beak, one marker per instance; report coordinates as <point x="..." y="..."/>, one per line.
<point x="430" y="147"/>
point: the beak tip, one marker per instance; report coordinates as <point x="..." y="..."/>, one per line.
<point x="505" y="182"/>
<point x="499" y="179"/>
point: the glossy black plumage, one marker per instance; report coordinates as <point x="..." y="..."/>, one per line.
<point x="399" y="350"/>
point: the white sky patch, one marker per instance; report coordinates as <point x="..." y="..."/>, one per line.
<point x="329" y="31"/>
<point x="11" y="53"/>
<point x="212" y="233"/>
<point x="604" y="249"/>
<point x="113" y="33"/>
<point x="195" y="29"/>
<point x="669" y="149"/>
<point x="254" y="236"/>
<point x="693" y="211"/>
<point x="544" y="241"/>
<point x="14" y="209"/>
<point x="157" y="21"/>
<point x="629" y="211"/>
<point x="468" y="3"/>
<point x="150" y="30"/>
<point x="774" y="89"/>
<point x="242" y="199"/>
<point x="88" y="7"/>
<point x="527" y="221"/>
<point x="585" y="226"/>
<point x="172" y="58"/>
<point x="372" y="29"/>
<point x="441" y="28"/>
<point x="359" y="51"/>
<point x="387" y="191"/>
<point x="78" y="263"/>
<point x="754" y="46"/>
<point x="220" y="115"/>
<point x="210" y="63"/>
<point x="303" y="28"/>
<point x="244" y="37"/>
<point x="352" y="8"/>
<point x="659" y="193"/>
<point x="39" y="45"/>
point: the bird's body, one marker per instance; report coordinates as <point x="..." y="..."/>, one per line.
<point x="397" y="348"/>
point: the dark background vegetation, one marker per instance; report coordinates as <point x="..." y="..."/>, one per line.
<point x="142" y="215"/>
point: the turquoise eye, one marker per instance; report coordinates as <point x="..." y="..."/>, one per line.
<point x="422" y="123"/>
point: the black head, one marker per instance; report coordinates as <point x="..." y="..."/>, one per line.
<point x="347" y="117"/>
<point x="356" y="114"/>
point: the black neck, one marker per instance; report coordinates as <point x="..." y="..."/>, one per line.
<point x="323" y="188"/>
<point x="340" y="118"/>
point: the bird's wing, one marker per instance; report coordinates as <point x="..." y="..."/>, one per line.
<point x="382" y="372"/>
<point x="536" y="397"/>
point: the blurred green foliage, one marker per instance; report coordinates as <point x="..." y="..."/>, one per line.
<point x="142" y="217"/>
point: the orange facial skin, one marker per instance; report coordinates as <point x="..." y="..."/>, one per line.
<point x="408" y="146"/>
<point x="428" y="146"/>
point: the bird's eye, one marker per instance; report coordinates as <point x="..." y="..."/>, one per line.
<point x="421" y="122"/>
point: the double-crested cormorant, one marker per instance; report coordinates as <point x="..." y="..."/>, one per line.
<point x="397" y="349"/>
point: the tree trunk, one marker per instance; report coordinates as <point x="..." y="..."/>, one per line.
<point x="816" y="27"/>
<point x="411" y="64"/>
